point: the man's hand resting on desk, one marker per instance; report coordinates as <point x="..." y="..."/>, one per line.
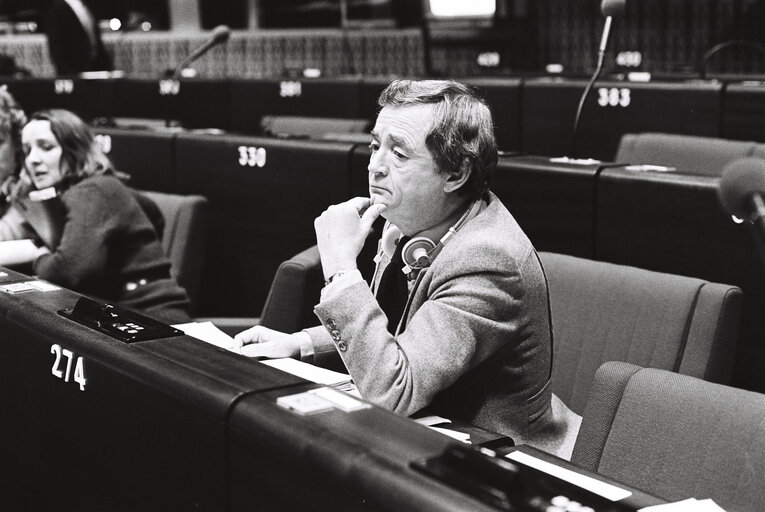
<point x="261" y="341"/>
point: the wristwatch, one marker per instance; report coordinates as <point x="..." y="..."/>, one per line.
<point x="335" y="276"/>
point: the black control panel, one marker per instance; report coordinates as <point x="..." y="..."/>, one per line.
<point x="117" y="322"/>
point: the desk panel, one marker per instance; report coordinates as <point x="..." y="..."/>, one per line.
<point x="148" y="157"/>
<point x="347" y="461"/>
<point x="194" y="103"/>
<point x="612" y="109"/>
<point x="554" y="202"/>
<point x="325" y="97"/>
<point x="674" y="223"/>
<point x="177" y="424"/>
<point x="147" y="432"/>
<point x="264" y="195"/>
<point x="87" y="98"/>
<point x="744" y="111"/>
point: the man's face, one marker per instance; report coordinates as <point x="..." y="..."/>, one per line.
<point x="402" y="173"/>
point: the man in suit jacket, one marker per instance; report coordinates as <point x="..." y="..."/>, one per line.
<point x="469" y="336"/>
<point x="74" y="38"/>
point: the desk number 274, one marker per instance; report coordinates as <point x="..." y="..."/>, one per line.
<point x="63" y="370"/>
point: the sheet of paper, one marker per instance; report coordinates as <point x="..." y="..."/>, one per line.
<point x="429" y="421"/>
<point x="600" y="488"/>
<point x="689" y="505"/>
<point x="206" y="331"/>
<point x="341" y="400"/>
<point x="308" y="371"/>
<point x="17" y="252"/>
<point x="459" y="436"/>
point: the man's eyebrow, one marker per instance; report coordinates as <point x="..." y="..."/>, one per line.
<point x="400" y="141"/>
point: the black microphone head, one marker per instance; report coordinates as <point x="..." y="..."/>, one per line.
<point x="740" y="180"/>
<point x="613" y="8"/>
<point x="221" y="33"/>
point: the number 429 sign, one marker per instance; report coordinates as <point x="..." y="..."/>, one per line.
<point x="68" y="366"/>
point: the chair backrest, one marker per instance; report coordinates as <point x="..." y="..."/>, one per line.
<point x="294" y="292"/>
<point x="688" y="154"/>
<point x="675" y="436"/>
<point x="606" y="312"/>
<point x="184" y="237"/>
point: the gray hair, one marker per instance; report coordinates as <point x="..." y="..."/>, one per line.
<point x="462" y="127"/>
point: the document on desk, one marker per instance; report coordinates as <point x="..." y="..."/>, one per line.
<point x="308" y="371"/>
<point x="206" y="331"/>
<point x="599" y="487"/>
<point x="689" y="505"/>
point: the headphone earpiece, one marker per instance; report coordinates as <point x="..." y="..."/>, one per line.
<point x="416" y="252"/>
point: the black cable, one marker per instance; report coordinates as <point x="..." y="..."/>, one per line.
<point x="745" y="43"/>
<point x="587" y="89"/>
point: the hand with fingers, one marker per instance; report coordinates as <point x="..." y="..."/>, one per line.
<point x="341" y="231"/>
<point x="261" y="341"/>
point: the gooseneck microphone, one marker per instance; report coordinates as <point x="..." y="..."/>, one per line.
<point x="610" y="9"/>
<point x="742" y="194"/>
<point x="220" y="34"/>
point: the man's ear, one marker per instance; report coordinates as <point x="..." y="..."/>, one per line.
<point x="455" y="180"/>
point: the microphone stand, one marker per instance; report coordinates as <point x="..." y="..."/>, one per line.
<point x="220" y="35"/>
<point x="590" y="84"/>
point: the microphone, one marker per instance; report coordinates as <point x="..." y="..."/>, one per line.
<point x="610" y="9"/>
<point x="741" y="192"/>
<point x="220" y="34"/>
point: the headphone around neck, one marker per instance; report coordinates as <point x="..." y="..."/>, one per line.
<point x="419" y="252"/>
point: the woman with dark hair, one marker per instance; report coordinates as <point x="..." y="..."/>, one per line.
<point x="108" y="247"/>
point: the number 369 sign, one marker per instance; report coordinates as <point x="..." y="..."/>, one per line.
<point x="68" y="366"/>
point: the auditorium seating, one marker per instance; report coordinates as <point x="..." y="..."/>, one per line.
<point x="606" y="312"/>
<point x="671" y="222"/>
<point x="92" y="422"/>
<point x="675" y="436"/>
<point x="148" y="157"/>
<point x="313" y="127"/>
<point x="613" y="108"/>
<point x="263" y="195"/>
<point x="686" y="154"/>
<point x="554" y="201"/>
<point x="183" y="238"/>
<point x="744" y="111"/>
<point x="251" y="100"/>
<point x="294" y="292"/>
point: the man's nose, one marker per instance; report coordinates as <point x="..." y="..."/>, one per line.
<point x="377" y="164"/>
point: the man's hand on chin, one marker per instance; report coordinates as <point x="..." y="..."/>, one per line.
<point x="341" y="231"/>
